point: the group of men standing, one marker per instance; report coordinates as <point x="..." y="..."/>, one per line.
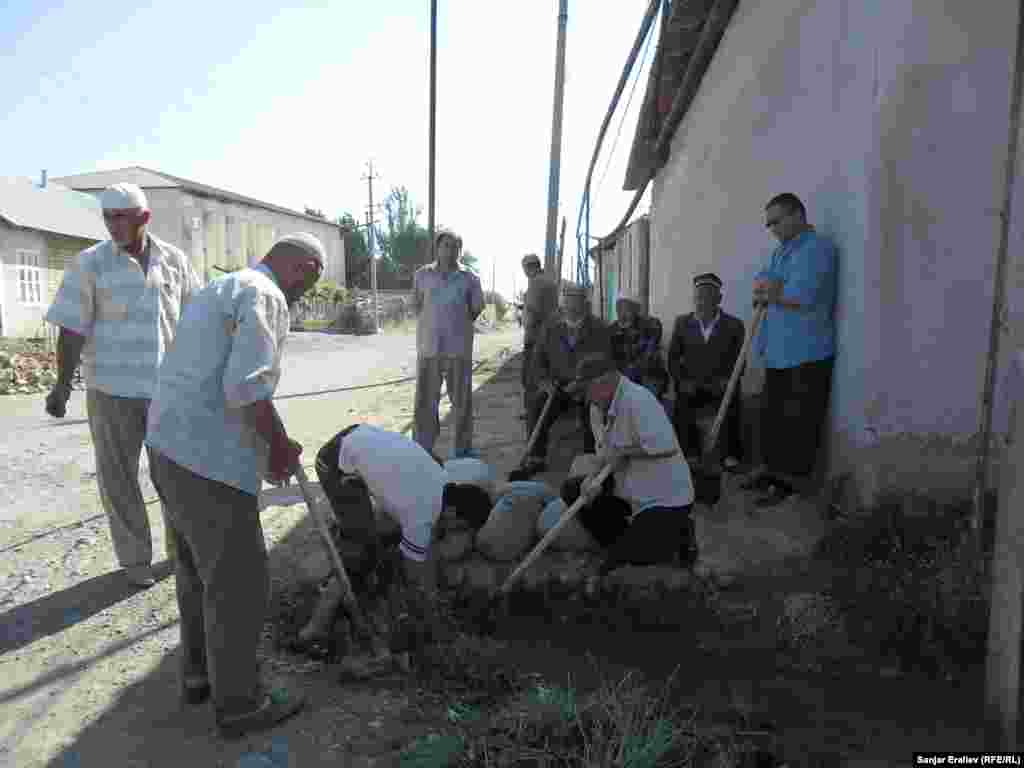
<point x="796" y="343"/>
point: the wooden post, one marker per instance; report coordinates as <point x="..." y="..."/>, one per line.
<point x="1003" y="664"/>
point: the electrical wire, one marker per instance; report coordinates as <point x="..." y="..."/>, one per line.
<point x="391" y="382"/>
<point x="622" y="120"/>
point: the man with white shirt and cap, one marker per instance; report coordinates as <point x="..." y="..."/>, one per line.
<point x="117" y="308"/>
<point x="213" y="436"/>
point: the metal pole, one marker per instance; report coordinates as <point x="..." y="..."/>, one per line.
<point x="433" y="113"/>
<point x="370" y="221"/>
<point x="999" y="300"/>
<point x="556" y="139"/>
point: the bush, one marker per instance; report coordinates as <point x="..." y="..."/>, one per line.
<point x="500" y="305"/>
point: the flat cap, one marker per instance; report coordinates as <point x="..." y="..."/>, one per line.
<point x="593" y="367"/>
<point x="531" y="258"/>
<point x="708" y="278"/>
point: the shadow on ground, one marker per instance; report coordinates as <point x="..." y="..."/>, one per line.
<point x="833" y="712"/>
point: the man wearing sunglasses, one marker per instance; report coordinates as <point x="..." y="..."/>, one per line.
<point x="797" y="344"/>
<point x="213" y="436"/>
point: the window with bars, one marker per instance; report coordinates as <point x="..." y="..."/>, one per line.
<point x="30" y="277"/>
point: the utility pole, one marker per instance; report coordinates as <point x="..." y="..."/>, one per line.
<point x="433" y="112"/>
<point x="494" y="287"/>
<point x="370" y="221"/>
<point x="556" y="140"/>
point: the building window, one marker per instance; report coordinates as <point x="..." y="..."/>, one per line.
<point x="30" y="277"/>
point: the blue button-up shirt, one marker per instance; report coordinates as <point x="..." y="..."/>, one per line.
<point x="806" y="265"/>
<point x="226" y="355"/>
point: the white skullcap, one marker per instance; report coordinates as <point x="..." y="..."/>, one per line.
<point x="309" y="243"/>
<point x="123" y="197"/>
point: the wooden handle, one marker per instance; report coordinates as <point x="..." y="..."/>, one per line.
<point x="536" y="427"/>
<point x="348" y="597"/>
<point x="737" y="369"/>
<point x="543" y="544"/>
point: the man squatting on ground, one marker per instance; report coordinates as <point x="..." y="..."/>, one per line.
<point x="564" y="341"/>
<point x="540" y="304"/>
<point x="644" y="516"/>
<point x="797" y="343"/>
<point x="448" y="301"/>
<point x="117" y="308"/>
<point x="213" y="436"/>
<point x="407" y="485"/>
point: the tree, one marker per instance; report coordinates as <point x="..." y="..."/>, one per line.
<point x="357" y="253"/>
<point x="470" y="262"/>
<point x="405" y="244"/>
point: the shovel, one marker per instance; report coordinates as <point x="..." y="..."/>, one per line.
<point x="520" y="473"/>
<point x="347" y="596"/>
<point x="544" y="543"/>
<point x="707" y="481"/>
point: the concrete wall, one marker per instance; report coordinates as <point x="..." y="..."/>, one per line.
<point x="889" y="118"/>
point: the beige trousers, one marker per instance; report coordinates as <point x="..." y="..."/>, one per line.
<point x="458" y="374"/>
<point x="118" y="428"/>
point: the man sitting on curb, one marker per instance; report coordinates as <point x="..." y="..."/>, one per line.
<point x="636" y="345"/>
<point x="411" y="488"/>
<point x="563" y="342"/>
<point x="633" y="432"/>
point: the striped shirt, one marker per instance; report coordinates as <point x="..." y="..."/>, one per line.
<point x="406" y="482"/>
<point x="227" y="355"/>
<point x="127" y="316"/>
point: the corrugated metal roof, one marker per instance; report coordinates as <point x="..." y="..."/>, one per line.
<point x="150" y="179"/>
<point x="54" y="208"/>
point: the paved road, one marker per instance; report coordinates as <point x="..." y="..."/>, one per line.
<point x="47" y="468"/>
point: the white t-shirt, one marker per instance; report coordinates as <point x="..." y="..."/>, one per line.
<point x="635" y="416"/>
<point x="405" y="481"/>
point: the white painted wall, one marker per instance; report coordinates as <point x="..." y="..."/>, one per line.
<point x="20" y="319"/>
<point x="889" y="118"/>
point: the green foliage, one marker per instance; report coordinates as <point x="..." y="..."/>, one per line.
<point x="500" y="305"/>
<point x="404" y="244"/>
<point x="563" y="699"/>
<point x="433" y="751"/>
<point x="357" y="252"/>
<point x="469" y="262"/>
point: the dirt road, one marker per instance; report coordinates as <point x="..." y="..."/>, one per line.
<point x="89" y="665"/>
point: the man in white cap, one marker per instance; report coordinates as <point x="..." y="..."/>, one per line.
<point x="540" y="304"/>
<point x="117" y="308"/>
<point x="213" y="436"/>
<point x="636" y="344"/>
<point x="448" y="301"/>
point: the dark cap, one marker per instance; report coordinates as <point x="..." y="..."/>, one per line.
<point x="531" y="258"/>
<point x="446" y="233"/>
<point x="708" y="278"/>
<point x="593" y="367"/>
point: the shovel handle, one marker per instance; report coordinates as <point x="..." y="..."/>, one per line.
<point x="536" y="427"/>
<point x="348" y="597"/>
<point x="737" y="369"/>
<point x="543" y="544"/>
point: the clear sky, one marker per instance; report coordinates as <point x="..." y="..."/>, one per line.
<point x="288" y="104"/>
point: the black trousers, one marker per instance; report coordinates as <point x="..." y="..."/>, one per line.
<point x="348" y="494"/>
<point x="684" y="419"/>
<point x="563" y="404"/>
<point x="655" y="536"/>
<point x="793" y="406"/>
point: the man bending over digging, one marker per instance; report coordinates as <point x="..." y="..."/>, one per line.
<point x="410" y="487"/>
